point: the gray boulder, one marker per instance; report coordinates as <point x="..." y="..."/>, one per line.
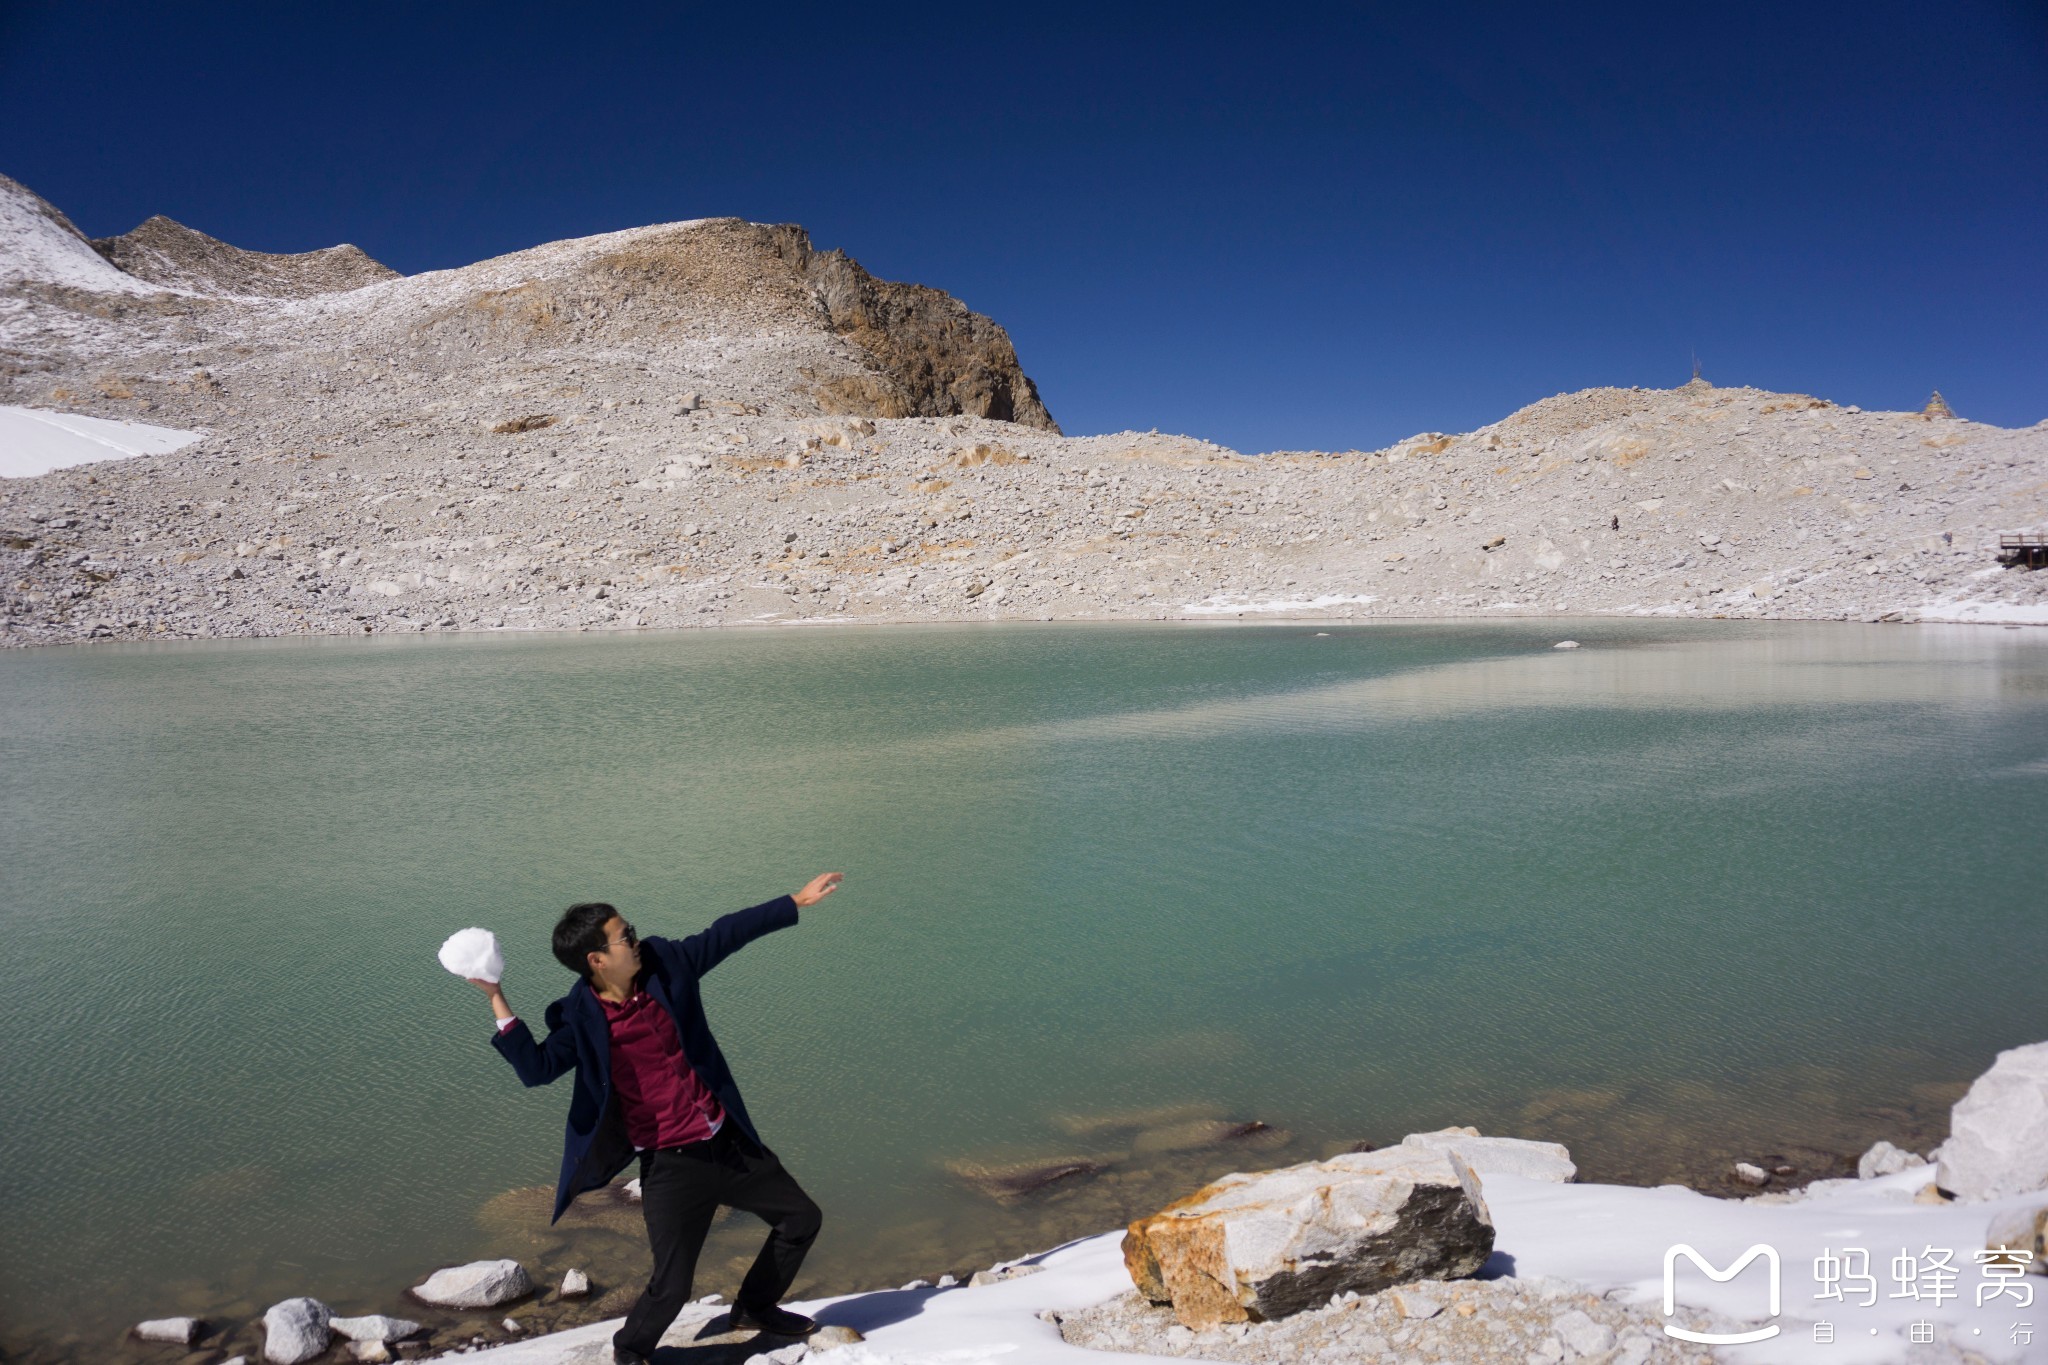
<point x="1885" y="1159"/>
<point x="1998" y="1131"/>
<point x="480" y="1284"/>
<point x="183" y="1331"/>
<point x="1268" y="1245"/>
<point x="374" y="1327"/>
<point x="295" y="1330"/>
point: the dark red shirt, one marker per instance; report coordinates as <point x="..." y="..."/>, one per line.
<point x="665" y="1103"/>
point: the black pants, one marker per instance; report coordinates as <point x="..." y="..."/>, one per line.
<point x="681" y="1189"/>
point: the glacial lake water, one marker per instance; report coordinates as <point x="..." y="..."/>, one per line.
<point x="1693" y="892"/>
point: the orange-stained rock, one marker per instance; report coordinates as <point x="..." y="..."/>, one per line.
<point x="1266" y="1245"/>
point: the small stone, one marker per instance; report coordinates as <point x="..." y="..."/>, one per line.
<point x="1410" y="1304"/>
<point x="1751" y="1175"/>
<point x="1930" y="1193"/>
<point x="631" y="1189"/>
<point x="1580" y="1332"/>
<point x="373" y="1351"/>
<point x="1566" y="644"/>
<point x="947" y="1281"/>
<point x="514" y="1326"/>
<point x="835" y="1335"/>
<point x="184" y="1331"/>
<point x="575" y="1284"/>
<point x="1548" y="1352"/>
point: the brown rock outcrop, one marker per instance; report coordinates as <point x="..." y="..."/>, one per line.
<point x="1260" y="1247"/>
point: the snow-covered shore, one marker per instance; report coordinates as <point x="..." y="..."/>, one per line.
<point x="1564" y="1247"/>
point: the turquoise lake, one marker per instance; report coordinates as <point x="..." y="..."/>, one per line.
<point x="1694" y="892"/>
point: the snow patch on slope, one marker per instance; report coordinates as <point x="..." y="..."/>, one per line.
<point x="35" y="442"/>
<point x="38" y="245"/>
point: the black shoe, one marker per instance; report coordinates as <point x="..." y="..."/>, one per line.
<point x="776" y="1322"/>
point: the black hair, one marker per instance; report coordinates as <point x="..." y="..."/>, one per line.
<point x="580" y="932"/>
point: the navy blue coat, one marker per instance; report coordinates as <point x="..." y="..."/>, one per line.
<point x="594" y="1148"/>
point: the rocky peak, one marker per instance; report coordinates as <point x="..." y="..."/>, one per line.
<point x="165" y="252"/>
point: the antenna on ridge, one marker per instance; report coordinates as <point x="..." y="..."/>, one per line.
<point x="1695" y="367"/>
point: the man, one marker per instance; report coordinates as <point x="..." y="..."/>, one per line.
<point x="651" y="1081"/>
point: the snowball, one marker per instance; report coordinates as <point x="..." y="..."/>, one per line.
<point x="473" y="953"/>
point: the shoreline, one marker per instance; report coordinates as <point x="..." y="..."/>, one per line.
<point x="2032" y="619"/>
<point x="1586" y="1249"/>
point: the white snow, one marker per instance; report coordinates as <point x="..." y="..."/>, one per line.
<point x="33" y="441"/>
<point x="1607" y="1239"/>
<point x="38" y="247"/>
<point x="473" y="955"/>
<point x="1225" y="605"/>
<point x="2003" y="613"/>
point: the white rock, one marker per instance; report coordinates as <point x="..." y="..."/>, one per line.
<point x="631" y="1189"/>
<point x="1885" y="1159"/>
<point x="371" y="1351"/>
<point x="295" y="1330"/>
<point x="2022" y="1229"/>
<point x="181" y="1330"/>
<point x="473" y="955"/>
<point x="514" y="1326"/>
<point x="575" y="1284"/>
<point x="1751" y="1175"/>
<point x="1580" y="1332"/>
<point x="1998" y="1131"/>
<point x="480" y="1284"/>
<point x="1550" y="1161"/>
<point x="374" y="1327"/>
<point x="1566" y="644"/>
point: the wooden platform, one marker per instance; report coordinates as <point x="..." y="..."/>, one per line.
<point x="2023" y="551"/>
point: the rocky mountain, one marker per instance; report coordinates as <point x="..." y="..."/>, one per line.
<point x="165" y="252"/>
<point x="732" y="311"/>
<point x="711" y="422"/>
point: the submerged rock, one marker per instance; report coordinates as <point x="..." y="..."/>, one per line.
<point x="1007" y="1184"/>
<point x="1194" y="1134"/>
<point x="1265" y="1246"/>
<point x="480" y="1284"/>
<point x="295" y="1330"/>
<point x="1998" y="1131"/>
<point x="183" y="1331"/>
<point x="575" y="1284"/>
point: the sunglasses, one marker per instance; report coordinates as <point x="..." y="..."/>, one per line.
<point x="631" y="940"/>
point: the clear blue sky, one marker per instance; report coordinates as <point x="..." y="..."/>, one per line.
<point x="1296" y="226"/>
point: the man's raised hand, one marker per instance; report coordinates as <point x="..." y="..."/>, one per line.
<point x="819" y="887"/>
<point x="500" y="1008"/>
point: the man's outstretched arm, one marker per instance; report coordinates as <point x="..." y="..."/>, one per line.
<point x="728" y="934"/>
<point x="536" y="1063"/>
